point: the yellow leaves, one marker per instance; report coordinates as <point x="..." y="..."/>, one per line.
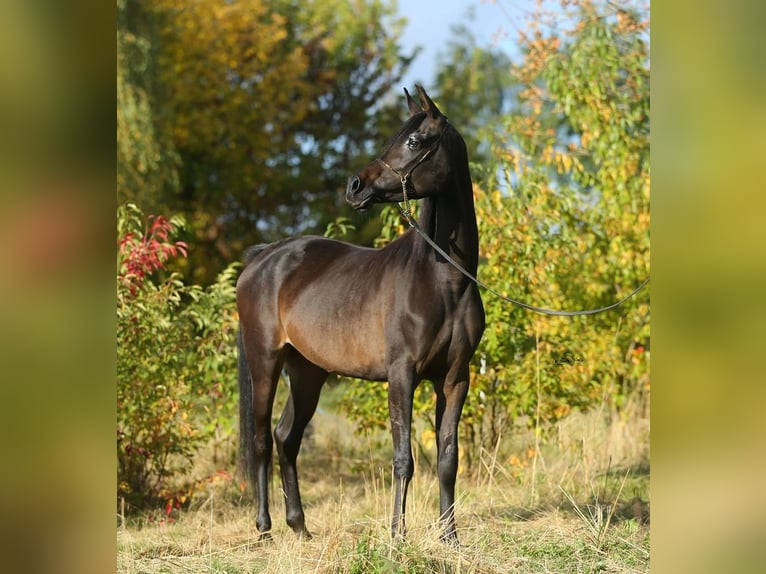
<point x="561" y="411"/>
<point x="627" y="23"/>
<point x="514" y="460"/>
<point x="565" y="162"/>
<point x="547" y="154"/>
<point x="541" y="49"/>
<point x="229" y="72"/>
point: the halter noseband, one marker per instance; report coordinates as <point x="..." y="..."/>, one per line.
<point x="405" y="177"/>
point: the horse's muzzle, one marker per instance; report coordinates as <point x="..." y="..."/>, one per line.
<point x="353" y="187"/>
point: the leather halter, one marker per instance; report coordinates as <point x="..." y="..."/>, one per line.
<point x="404" y="177"/>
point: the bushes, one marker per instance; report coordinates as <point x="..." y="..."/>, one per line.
<point x="176" y="362"/>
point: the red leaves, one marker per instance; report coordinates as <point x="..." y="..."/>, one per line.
<point x="143" y="255"/>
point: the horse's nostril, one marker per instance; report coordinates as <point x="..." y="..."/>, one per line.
<point x="354" y="183"/>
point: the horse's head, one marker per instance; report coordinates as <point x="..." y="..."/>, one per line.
<point x="415" y="161"/>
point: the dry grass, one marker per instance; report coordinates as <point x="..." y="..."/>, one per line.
<point x="577" y="504"/>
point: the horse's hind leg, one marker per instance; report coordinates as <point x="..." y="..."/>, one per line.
<point x="306" y="380"/>
<point x="265" y="368"/>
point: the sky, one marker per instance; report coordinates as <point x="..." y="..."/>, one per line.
<point x="430" y="21"/>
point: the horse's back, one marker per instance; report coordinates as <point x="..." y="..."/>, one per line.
<point x="296" y="260"/>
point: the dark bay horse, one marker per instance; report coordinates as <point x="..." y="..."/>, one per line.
<point x="314" y="306"/>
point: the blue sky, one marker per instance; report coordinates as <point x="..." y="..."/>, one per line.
<point x="430" y="21"/>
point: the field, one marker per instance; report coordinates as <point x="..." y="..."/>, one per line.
<point x="576" y="502"/>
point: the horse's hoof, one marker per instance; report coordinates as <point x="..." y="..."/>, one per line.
<point x="451" y="540"/>
<point x="265" y="537"/>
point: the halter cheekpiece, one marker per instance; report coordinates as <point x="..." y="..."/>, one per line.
<point x="404" y="178"/>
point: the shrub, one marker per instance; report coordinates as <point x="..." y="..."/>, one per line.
<point x="176" y="362"/>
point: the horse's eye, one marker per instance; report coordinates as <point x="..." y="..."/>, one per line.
<point x="413" y="143"/>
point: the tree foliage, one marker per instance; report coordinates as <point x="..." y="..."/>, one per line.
<point x="475" y="85"/>
<point x="264" y="107"/>
<point x="147" y="163"/>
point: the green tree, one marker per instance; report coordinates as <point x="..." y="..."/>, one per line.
<point x="476" y="86"/>
<point x="147" y="163"/>
<point x="267" y="105"/>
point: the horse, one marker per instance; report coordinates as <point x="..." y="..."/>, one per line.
<point x="312" y="306"/>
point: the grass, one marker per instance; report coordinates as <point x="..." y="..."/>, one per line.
<point x="583" y="508"/>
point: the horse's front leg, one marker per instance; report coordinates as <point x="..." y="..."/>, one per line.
<point x="400" y="393"/>
<point x="450" y="396"/>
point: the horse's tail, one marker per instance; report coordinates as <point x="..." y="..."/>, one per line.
<point x="246" y="421"/>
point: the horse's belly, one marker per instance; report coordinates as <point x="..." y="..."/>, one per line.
<point x="339" y="346"/>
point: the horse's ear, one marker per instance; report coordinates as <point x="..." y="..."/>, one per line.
<point x="428" y="106"/>
<point x="412" y="104"/>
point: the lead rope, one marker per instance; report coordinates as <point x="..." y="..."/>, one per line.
<point x="406" y="213"/>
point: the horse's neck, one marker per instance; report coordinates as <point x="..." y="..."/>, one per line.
<point x="450" y="220"/>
